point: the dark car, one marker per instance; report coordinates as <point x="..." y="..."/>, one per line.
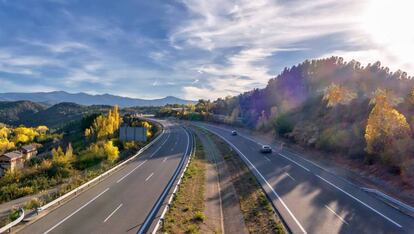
<point x="266" y="149"/>
<point x="234" y="133"/>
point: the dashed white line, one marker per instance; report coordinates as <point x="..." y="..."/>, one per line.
<point x="123" y="177"/>
<point x="356" y="199"/>
<point x="290" y="176"/>
<point x="76" y="211"/>
<point x="113" y="212"/>
<point x="149" y="176"/>
<point x="337" y="215"/>
<point x="264" y="179"/>
<point x="268" y="159"/>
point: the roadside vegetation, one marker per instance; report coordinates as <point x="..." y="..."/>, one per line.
<point x="361" y="115"/>
<point x="186" y="212"/>
<point x="259" y="215"/>
<point x="76" y="153"/>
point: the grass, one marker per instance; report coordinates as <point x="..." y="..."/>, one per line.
<point x="186" y="212"/>
<point x="258" y="212"/>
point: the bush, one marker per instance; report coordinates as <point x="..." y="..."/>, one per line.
<point x="283" y="124"/>
<point x="199" y="216"/>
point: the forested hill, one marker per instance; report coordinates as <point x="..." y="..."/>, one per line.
<point x="364" y="112"/>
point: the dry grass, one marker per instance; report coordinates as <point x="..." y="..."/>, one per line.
<point x="186" y="212"/>
<point x="258" y="213"/>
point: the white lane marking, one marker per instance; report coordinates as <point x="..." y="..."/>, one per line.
<point x="123" y="177"/>
<point x="377" y="212"/>
<point x="356" y="199"/>
<point x="149" y="176"/>
<point x="267" y="158"/>
<point x="251" y="139"/>
<point x="113" y="212"/>
<point x="76" y="211"/>
<point x="290" y="176"/>
<point x="152" y="155"/>
<point x="267" y="183"/>
<point x="337" y="215"/>
<point x="294" y="162"/>
<point x="165" y="159"/>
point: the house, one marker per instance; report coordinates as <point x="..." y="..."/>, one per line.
<point x="29" y="151"/>
<point x="11" y="160"/>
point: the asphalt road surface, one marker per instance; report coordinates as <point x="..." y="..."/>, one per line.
<point x="310" y="199"/>
<point x="122" y="201"/>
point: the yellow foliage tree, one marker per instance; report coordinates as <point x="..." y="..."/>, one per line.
<point x="4" y="132"/>
<point x="111" y="151"/>
<point x="42" y="129"/>
<point x="336" y="94"/>
<point x="88" y="132"/>
<point x="148" y="127"/>
<point x="62" y="158"/>
<point x="24" y="135"/>
<point x="105" y="126"/>
<point x="385" y="124"/>
<point x="6" y="145"/>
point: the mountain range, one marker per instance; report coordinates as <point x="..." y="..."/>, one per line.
<point x="51" y="98"/>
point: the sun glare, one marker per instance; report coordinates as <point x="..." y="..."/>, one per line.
<point x="388" y="23"/>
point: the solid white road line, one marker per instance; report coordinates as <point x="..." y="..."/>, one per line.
<point x="267" y="158"/>
<point x="123" y="177"/>
<point x="76" y="211"/>
<point x="337" y="215"/>
<point x="113" y="212"/>
<point x="149" y="176"/>
<point x="264" y="179"/>
<point x="294" y="162"/>
<point x="377" y="212"/>
<point x="356" y="199"/>
<point x="152" y="155"/>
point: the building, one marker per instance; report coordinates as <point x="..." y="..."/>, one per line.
<point x="11" y="161"/>
<point x="29" y="151"/>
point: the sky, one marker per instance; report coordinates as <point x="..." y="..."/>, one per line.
<point x="190" y="48"/>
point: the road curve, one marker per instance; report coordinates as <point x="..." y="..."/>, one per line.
<point x="122" y="201"/>
<point x="309" y="199"/>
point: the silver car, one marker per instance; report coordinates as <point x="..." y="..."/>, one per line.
<point x="266" y="149"/>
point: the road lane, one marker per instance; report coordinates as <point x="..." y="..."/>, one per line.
<point x="310" y="190"/>
<point x="87" y="212"/>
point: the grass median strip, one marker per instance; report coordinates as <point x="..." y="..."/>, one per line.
<point x="258" y="213"/>
<point x="186" y="212"/>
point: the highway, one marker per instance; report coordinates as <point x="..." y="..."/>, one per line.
<point x="122" y="201"/>
<point x="309" y="199"/>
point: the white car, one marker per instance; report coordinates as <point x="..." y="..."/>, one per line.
<point x="266" y="149"/>
<point x="234" y="133"/>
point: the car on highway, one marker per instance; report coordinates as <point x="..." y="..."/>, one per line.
<point x="234" y="133"/>
<point x="266" y="149"/>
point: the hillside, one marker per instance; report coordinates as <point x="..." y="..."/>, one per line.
<point x="34" y="114"/>
<point x="52" y="98"/>
<point x="362" y="113"/>
<point x="12" y="112"/>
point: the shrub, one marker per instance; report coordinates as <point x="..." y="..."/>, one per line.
<point x="199" y="216"/>
<point x="283" y="124"/>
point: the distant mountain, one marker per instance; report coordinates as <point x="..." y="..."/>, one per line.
<point x="34" y="114"/>
<point x="52" y="98"/>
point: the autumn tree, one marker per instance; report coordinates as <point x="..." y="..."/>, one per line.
<point x="62" y="158"/>
<point x="24" y="135"/>
<point x="336" y="94"/>
<point x="111" y="151"/>
<point x="386" y="127"/>
<point x="105" y="126"/>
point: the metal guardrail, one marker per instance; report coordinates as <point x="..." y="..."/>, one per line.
<point x="8" y="227"/>
<point x="87" y="184"/>
<point x="392" y="201"/>
<point x="173" y="194"/>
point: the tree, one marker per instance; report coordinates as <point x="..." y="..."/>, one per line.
<point x="111" y="151"/>
<point x="385" y="126"/>
<point x="42" y="129"/>
<point x="88" y="132"/>
<point x="6" y="145"/>
<point x="336" y="94"/>
<point x="62" y="158"/>
<point x="105" y="126"/>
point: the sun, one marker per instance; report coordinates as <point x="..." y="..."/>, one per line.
<point x="389" y="23"/>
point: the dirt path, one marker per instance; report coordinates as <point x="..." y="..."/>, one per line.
<point x="222" y="207"/>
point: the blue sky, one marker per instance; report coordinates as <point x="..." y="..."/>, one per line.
<point x="189" y="48"/>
